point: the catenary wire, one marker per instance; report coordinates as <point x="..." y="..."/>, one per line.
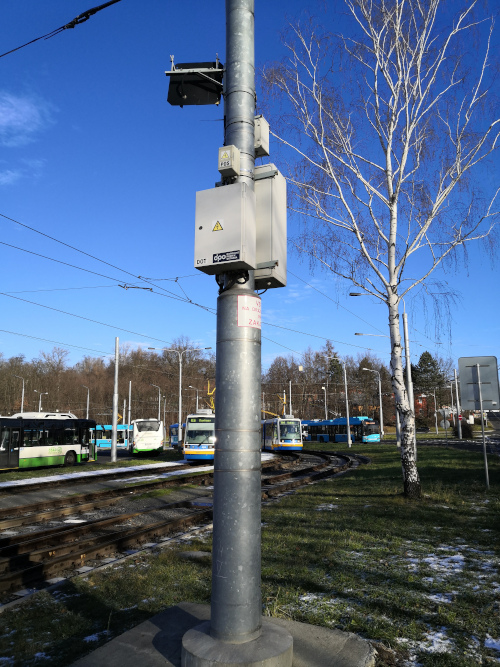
<point x="111" y="326"/>
<point x="81" y="18"/>
<point x="67" y="245"/>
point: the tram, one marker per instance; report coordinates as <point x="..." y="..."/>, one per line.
<point x="282" y="434"/>
<point x="36" y="439"/>
<point x="103" y="435"/>
<point x="173" y="431"/>
<point x="363" y="429"/>
<point x="147" y="436"/>
<point x="199" y="436"/>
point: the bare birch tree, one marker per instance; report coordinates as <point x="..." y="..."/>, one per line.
<point x="387" y="124"/>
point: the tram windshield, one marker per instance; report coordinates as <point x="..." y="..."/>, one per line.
<point x="200" y="431"/>
<point x="370" y="428"/>
<point x="147" y="426"/>
<point x="289" y="430"/>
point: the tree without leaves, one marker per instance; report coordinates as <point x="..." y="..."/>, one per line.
<point x="388" y="125"/>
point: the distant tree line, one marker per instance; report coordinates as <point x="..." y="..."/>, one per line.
<point x="324" y="368"/>
<point x="63" y="387"/>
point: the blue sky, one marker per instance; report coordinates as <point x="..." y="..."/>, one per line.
<point x="92" y="155"/>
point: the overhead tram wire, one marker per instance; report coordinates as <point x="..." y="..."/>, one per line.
<point x="67" y="245"/>
<point x="172" y="295"/>
<point x="56" y="342"/>
<point x="81" y="18"/>
<point x="87" y="319"/>
<point x="333" y="300"/>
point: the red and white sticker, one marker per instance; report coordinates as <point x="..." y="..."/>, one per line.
<point x="249" y="311"/>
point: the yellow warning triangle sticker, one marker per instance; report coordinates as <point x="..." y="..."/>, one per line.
<point x="217" y="227"/>
<point x="225" y="156"/>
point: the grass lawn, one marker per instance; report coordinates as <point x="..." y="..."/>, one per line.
<point x="422" y="578"/>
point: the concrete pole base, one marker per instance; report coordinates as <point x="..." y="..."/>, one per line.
<point x="274" y="648"/>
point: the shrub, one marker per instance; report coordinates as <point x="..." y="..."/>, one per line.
<point x="467" y="431"/>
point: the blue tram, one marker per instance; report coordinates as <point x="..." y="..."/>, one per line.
<point x="281" y="434"/>
<point x="103" y="436"/>
<point x="199" y="436"/>
<point x="363" y="429"/>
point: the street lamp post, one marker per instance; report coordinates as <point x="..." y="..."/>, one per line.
<point x="159" y="400"/>
<point x="40" y="394"/>
<point x="196" y="390"/>
<point x="180" y="353"/>
<point x="326" y="411"/>
<point x="459" y="423"/>
<point x="380" y="399"/>
<point x="88" y="399"/>
<point x="435" y="411"/>
<point x="22" y="393"/>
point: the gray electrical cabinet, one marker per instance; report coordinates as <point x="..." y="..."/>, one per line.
<point x="271" y="251"/>
<point x="224" y="237"/>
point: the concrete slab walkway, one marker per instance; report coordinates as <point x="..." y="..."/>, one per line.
<point x="158" y="642"/>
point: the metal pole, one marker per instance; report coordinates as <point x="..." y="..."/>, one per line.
<point x="236" y="570"/>
<point x="326" y="411"/>
<point x="129" y="399"/>
<point x="125" y="410"/>
<point x="236" y="627"/>
<point x="452" y="406"/>
<point x="348" y="426"/>
<point x="482" y="427"/>
<point x="88" y="399"/>
<point x="408" y="377"/>
<point x="22" y="393"/>
<point x="436" y="412"/>
<point x="114" y="426"/>
<point x="290" y="396"/>
<point x="179" y="430"/>
<point x="459" y="423"/>
<point x="381" y="411"/>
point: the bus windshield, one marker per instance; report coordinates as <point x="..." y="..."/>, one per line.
<point x="199" y="436"/>
<point x="290" y="430"/>
<point x="370" y="427"/>
<point x="147" y="426"/>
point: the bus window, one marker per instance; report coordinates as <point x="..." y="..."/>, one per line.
<point x="4" y="440"/>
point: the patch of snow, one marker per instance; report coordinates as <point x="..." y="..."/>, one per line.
<point x="326" y="506"/>
<point x="494" y="644"/>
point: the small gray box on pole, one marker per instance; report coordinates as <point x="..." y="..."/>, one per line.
<point x="469" y="387"/>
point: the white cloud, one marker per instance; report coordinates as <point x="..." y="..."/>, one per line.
<point x="9" y="176"/>
<point x="22" y="117"/>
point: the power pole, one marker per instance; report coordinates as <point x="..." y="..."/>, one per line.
<point x="236" y="634"/>
<point x="115" y="404"/>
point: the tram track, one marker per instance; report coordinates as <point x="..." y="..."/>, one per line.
<point x="33" y="558"/>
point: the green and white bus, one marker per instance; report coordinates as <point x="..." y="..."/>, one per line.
<point x="35" y="439"/>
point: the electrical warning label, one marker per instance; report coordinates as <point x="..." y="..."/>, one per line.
<point x="218" y="227"/>
<point x="229" y="256"/>
<point x="249" y="311"/>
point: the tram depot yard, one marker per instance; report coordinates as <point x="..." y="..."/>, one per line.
<point x="420" y="580"/>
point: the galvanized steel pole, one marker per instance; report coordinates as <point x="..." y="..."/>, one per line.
<point x="115" y="404"/>
<point x="236" y="596"/>
<point x="459" y="423"/>
<point x="348" y="426"/>
<point x="236" y="634"/>
<point x="129" y="399"/>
